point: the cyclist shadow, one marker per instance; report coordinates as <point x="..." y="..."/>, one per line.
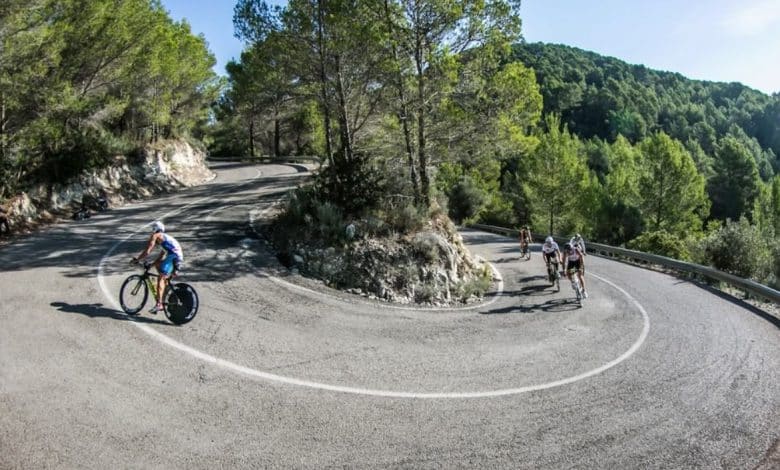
<point x="551" y="306"/>
<point x="98" y="311"/>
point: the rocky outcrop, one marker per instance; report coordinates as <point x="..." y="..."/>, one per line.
<point x="431" y="266"/>
<point x="163" y="168"/>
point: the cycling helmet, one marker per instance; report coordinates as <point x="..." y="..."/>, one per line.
<point x="548" y="240"/>
<point x="158" y="226"/>
<point x="567" y="246"/>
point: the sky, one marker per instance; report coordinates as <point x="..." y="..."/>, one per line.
<point x="716" y="40"/>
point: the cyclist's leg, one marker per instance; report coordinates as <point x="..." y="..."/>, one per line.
<point x="166" y="268"/>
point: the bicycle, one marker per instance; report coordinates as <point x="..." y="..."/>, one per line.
<point x="575" y="284"/>
<point x="525" y="251"/>
<point x="180" y="300"/>
<point x="553" y="276"/>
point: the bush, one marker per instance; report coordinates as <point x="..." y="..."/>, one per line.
<point x="499" y="211"/>
<point x="330" y="222"/>
<point x="661" y="243"/>
<point x="738" y="248"/>
<point x="406" y="218"/>
<point x="355" y="186"/>
<point x="466" y="199"/>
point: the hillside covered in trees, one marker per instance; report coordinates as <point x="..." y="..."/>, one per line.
<point x="598" y="96"/>
<point x="419" y="107"/>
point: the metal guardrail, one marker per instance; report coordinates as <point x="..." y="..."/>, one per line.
<point x="746" y="285"/>
<point x="268" y="159"/>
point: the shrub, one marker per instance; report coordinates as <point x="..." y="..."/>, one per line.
<point x="355" y="186"/>
<point x="661" y="243"/>
<point x="466" y="199"/>
<point x="738" y="248"/>
<point x="499" y="211"/>
<point x="406" y="218"/>
<point x="330" y="222"/>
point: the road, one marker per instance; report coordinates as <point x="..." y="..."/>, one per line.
<point x="278" y="371"/>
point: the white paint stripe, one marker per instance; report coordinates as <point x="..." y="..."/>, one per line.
<point x="362" y="391"/>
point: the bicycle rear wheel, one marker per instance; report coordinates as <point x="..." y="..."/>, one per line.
<point x="133" y="294"/>
<point x="181" y="303"/>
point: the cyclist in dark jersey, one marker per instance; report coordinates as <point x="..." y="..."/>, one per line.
<point x="574" y="263"/>
<point x="166" y="263"/>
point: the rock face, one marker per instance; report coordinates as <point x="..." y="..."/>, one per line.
<point x="431" y="266"/>
<point x="170" y="166"/>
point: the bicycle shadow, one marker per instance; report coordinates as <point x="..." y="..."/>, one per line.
<point x="98" y="311"/>
<point x="551" y="306"/>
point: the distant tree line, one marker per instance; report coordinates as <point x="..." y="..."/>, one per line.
<point x="82" y="81"/>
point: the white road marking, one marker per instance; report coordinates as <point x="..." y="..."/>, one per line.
<point x="250" y="372"/>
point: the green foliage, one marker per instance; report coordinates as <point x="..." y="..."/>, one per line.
<point x="558" y="177"/>
<point x="661" y="243"/>
<point x="466" y="199"/>
<point x="407" y="218"/>
<point x="738" y="248"/>
<point x="673" y="197"/>
<point x="475" y="287"/>
<point x="604" y="97"/>
<point x="82" y="81"/>
<point x="736" y="183"/>
<point x="329" y="222"/>
<point x="355" y="186"/>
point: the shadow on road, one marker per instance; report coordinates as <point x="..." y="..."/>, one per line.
<point x="98" y="311"/>
<point x="552" y="305"/>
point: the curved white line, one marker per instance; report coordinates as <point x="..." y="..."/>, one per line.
<point x="228" y="365"/>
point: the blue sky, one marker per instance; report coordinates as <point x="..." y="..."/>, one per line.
<point x="718" y="40"/>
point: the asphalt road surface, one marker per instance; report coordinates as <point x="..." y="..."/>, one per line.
<point x="278" y="371"/>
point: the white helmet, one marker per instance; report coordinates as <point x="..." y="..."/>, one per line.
<point x="548" y="240"/>
<point x="158" y="226"/>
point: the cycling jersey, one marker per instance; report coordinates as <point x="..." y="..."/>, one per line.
<point x="549" y="249"/>
<point x="171" y="247"/>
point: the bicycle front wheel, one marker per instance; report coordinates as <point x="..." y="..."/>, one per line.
<point x="181" y="303"/>
<point x="133" y="294"/>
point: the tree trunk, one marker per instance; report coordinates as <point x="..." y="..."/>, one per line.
<point x="403" y="113"/>
<point x="252" y="137"/>
<point x="344" y="127"/>
<point x="277" y="137"/>
<point x="324" y="82"/>
<point x="421" y="138"/>
<point x="552" y="219"/>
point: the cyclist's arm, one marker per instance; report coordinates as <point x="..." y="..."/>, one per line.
<point x="149" y="247"/>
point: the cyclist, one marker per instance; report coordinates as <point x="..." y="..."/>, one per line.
<point x="574" y="260"/>
<point x="577" y="240"/>
<point x="551" y="253"/>
<point x="525" y="240"/>
<point x="166" y="263"/>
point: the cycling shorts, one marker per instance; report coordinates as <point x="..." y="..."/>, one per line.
<point x="550" y="257"/>
<point x="168" y="264"/>
<point x="575" y="265"/>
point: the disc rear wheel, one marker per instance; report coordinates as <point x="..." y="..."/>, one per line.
<point x="181" y="303"/>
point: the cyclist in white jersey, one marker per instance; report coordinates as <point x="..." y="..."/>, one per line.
<point x="551" y="252"/>
<point x="166" y="263"/>
<point x="574" y="260"/>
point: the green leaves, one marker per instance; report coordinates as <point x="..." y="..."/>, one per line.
<point x="673" y="196"/>
<point x="80" y="81"/>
